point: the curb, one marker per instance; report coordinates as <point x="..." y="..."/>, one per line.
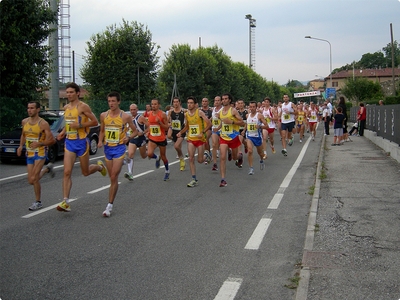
<point x="302" y="289"/>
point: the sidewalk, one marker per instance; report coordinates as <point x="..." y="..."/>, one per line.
<point x="353" y="251"/>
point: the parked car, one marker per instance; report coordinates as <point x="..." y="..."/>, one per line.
<point x="9" y="142"/>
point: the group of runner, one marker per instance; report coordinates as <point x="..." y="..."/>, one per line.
<point x="218" y="132"/>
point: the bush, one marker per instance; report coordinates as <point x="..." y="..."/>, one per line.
<point x="391" y="100"/>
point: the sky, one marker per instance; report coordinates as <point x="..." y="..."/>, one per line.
<point x="282" y="53"/>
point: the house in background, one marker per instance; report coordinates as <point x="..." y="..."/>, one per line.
<point x="317" y="84"/>
<point x="62" y="96"/>
<point x="383" y="76"/>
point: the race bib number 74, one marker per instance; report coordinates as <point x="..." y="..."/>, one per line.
<point x="112" y="135"/>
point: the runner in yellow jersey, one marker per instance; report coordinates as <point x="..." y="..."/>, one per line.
<point x="113" y="128"/>
<point x="36" y="136"/>
<point x="196" y="126"/>
<point x="78" y="119"/>
<point x="300" y="121"/>
<point x="229" y="137"/>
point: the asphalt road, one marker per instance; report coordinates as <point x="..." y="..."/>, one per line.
<point x="163" y="239"/>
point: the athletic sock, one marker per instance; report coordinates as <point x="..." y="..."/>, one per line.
<point x="130" y="166"/>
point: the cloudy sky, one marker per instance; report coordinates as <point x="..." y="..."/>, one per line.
<point x="353" y="27"/>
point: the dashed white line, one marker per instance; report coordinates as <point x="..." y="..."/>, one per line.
<point x="55" y="167"/>
<point x="259" y="233"/>
<point x="101" y="189"/>
<point x="229" y="289"/>
<point x="276" y="200"/>
<point x="44" y="209"/>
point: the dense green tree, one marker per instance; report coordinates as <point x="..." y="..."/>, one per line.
<point x="24" y="59"/>
<point x="379" y="59"/>
<point x="388" y="54"/>
<point x="207" y="72"/>
<point x="361" y="89"/>
<point x="119" y="58"/>
<point x="372" y="61"/>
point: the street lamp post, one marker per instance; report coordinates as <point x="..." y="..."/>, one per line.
<point x="330" y="53"/>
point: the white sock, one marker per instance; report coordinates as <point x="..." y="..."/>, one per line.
<point x="130" y="166"/>
<point x="109" y="206"/>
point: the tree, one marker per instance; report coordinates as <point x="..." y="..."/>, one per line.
<point x="115" y="57"/>
<point x="24" y="59"/>
<point x="379" y="59"/>
<point x="373" y="61"/>
<point x="388" y="54"/>
<point x="361" y="89"/>
<point x="207" y="72"/>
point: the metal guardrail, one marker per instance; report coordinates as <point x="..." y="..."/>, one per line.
<point x="384" y="120"/>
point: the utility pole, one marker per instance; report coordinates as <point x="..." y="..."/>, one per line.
<point x="391" y="38"/>
<point x="54" y="100"/>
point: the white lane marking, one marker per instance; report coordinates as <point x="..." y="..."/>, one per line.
<point x="101" y="189"/>
<point x="44" y="209"/>
<point x="258" y="234"/>
<point x="55" y="167"/>
<point x="142" y="174"/>
<point x="15" y="176"/>
<point x="276" y="200"/>
<point x="229" y="289"/>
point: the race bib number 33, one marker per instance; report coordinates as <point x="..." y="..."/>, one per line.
<point x="194" y="130"/>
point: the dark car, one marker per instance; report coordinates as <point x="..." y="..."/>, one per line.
<point x="9" y="142"/>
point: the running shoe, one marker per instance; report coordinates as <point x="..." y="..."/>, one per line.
<point x="103" y="170"/>
<point x="240" y="161"/>
<point x="63" y="206"/>
<point x="107" y="212"/>
<point x="251" y="171"/>
<point x="128" y="176"/>
<point x="158" y="162"/>
<point x="208" y="156"/>
<point x="215" y="167"/>
<point x="182" y="164"/>
<point x="35" y="206"/>
<point x="166" y="176"/>
<point x="217" y="153"/>
<point x="223" y="183"/>
<point x="192" y="183"/>
<point x="262" y="165"/>
<point x="290" y="143"/>
<point x="284" y="152"/>
<point x="229" y="154"/>
<point x="273" y="149"/>
<point x="50" y="167"/>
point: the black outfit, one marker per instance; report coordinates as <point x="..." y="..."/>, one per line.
<point x="180" y="116"/>
<point x="344" y="112"/>
<point x="327" y="121"/>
